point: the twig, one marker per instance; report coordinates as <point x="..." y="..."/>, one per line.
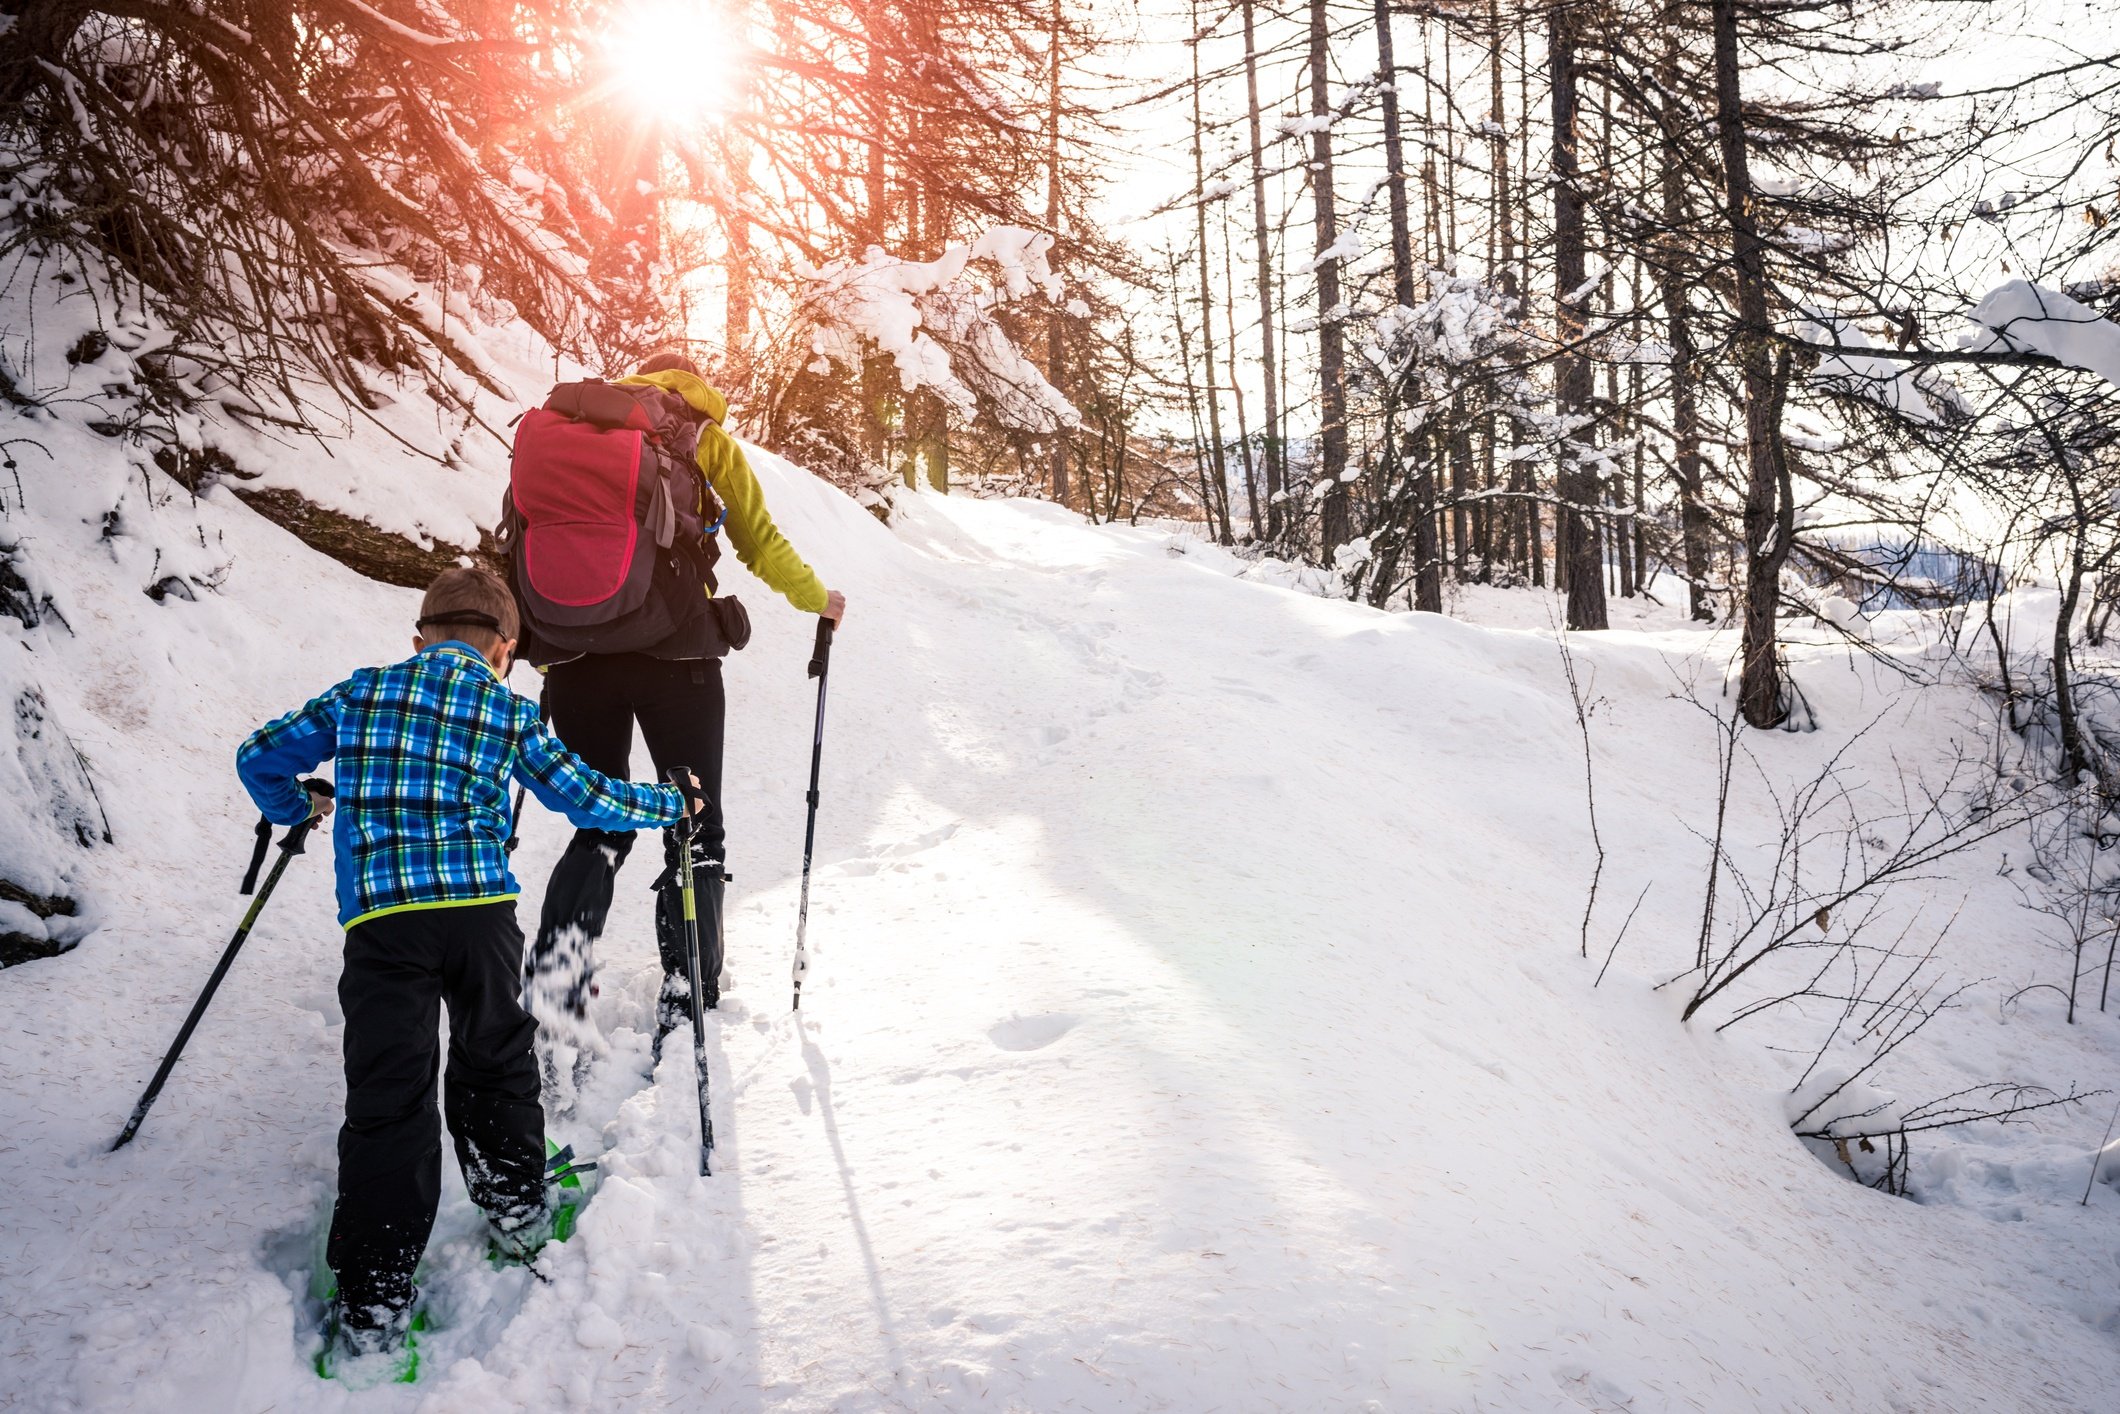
<point x="1622" y="932"/>
<point x="2099" y="1154"/>
<point x="1582" y="725"/>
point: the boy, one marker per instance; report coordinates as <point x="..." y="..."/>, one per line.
<point x="424" y="750"/>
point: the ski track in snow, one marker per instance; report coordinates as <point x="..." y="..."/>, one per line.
<point x="1195" y="1022"/>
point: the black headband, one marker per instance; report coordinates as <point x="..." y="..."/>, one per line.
<point x="462" y="616"/>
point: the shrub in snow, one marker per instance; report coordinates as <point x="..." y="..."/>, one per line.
<point x="1442" y="366"/>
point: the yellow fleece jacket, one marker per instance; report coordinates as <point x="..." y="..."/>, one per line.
<point x="764" y="551"/>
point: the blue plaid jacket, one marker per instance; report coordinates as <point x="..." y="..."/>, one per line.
<point x="424" y="750"/>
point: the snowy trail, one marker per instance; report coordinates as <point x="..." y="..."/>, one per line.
<point x="1194" y="1022"/>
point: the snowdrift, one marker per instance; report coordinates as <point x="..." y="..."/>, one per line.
<point x="1195" y="1021"/>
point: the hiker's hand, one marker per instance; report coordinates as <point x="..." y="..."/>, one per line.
<point x="695" y="799"/>
<point x="835" y="607"/>
<point x="319" y="803"/>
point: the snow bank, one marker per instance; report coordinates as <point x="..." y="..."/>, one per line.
<point x="412" y="464"/>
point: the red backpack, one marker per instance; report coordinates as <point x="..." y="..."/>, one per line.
<point x="609" y="527"/>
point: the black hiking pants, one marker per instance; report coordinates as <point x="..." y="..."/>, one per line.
<point x="594" y="702"/>
<point x="401" y="970"/>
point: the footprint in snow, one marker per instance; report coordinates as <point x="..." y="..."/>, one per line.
<point x="1031" y="1033"/>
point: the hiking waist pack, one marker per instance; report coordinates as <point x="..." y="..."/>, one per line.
<point x="609" y="527"/>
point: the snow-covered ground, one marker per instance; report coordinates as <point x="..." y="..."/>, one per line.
<point x="1196" y="1021"/>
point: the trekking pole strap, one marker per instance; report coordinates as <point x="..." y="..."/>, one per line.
<point x="544" y="718"/>
<point x="821" y="651"/>
<point x="257" y="857"/>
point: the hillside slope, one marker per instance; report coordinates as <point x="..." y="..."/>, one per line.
<point x="1196" y="1021"/>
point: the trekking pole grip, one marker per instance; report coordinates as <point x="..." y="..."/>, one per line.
<point x="821" y="651"/>
<point x="299" y="835"/>
<point x="686" y="782"/>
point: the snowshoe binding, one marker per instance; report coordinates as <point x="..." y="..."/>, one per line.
<point x="518" y="1243"/>
<point x="362" y="1357"/>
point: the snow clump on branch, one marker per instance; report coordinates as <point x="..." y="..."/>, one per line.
<point x="937" y="322"/>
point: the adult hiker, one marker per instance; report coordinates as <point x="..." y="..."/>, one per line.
<point x="423" y="751"/>
<point x="657" y="663"/>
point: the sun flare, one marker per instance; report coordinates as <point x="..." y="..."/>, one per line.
<point x="673" y="59"/>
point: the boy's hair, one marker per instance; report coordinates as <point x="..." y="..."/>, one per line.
<point x="472" y="605"/>
<point x="669" y="359"/>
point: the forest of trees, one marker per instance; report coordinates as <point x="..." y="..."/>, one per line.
<point x="1615" y="296"/>
<point x="1594" y="276"/>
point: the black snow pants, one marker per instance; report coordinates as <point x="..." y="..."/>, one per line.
<point x="401" y="969"/>
<point x="594" y="701"/>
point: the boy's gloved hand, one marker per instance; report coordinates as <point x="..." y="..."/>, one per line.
<point x="687" y="783"/>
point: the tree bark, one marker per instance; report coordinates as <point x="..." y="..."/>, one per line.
<point x="1678" y="322"/>
<point x="1573" y="377"/>
<point x="1055" y="321"/>
<point x="1768" y="520"/>
<point x="1236" y="385"/>
<point x="1394" y="162"/>
<point x="1273" y="454"/>
<point x="1332" y="397"/>
<point x="1504" y="210"/>
<point x="1217" y="457"/>
<point x="1428" y="570"/>
<point x="877" y="217"/>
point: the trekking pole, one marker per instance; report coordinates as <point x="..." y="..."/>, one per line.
<point x="688" y="785"/>
<point x="515" y="816"/>
<point x="820" y="665"/>
<point x="289" y="848"/>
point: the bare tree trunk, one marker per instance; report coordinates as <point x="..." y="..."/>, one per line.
<point x="1573" y="376"/>
<point x="1449" y="189"/>
<point x="1504" y="210"/>
<point x="1769" y="521"/>
<point x="1432" y="203"/>
<point x="1056" y="319"/>
<point x="1523" y="511"/>
<point x="879" y="389"/>
<point x="1216" y="456"/>
<point x="1394" y="162"/>
<point x="1332" y="398"/>
<point x="1625" y="425"/>
<point x="1266" y="283"/>
<point x="1427" y="566"/>
<point x="878" y="215"/>
<point x="1678" y="321"/>
<point x="1192" y="393"/>
<point x="2073" y="754"/>
<point x="1236" y="384"/>
<point x="1639" y="540"/>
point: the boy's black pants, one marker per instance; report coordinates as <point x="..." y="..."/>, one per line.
<point x="594" y="702"/>
<point x="401" y="970"/>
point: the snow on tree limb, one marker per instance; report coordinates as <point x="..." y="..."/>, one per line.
<point x="936" y="321"/>
<point x="2021" y="317"/>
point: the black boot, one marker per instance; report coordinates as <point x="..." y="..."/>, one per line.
<point x="673" y="1006"/>
<point x="559" y="975"/>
